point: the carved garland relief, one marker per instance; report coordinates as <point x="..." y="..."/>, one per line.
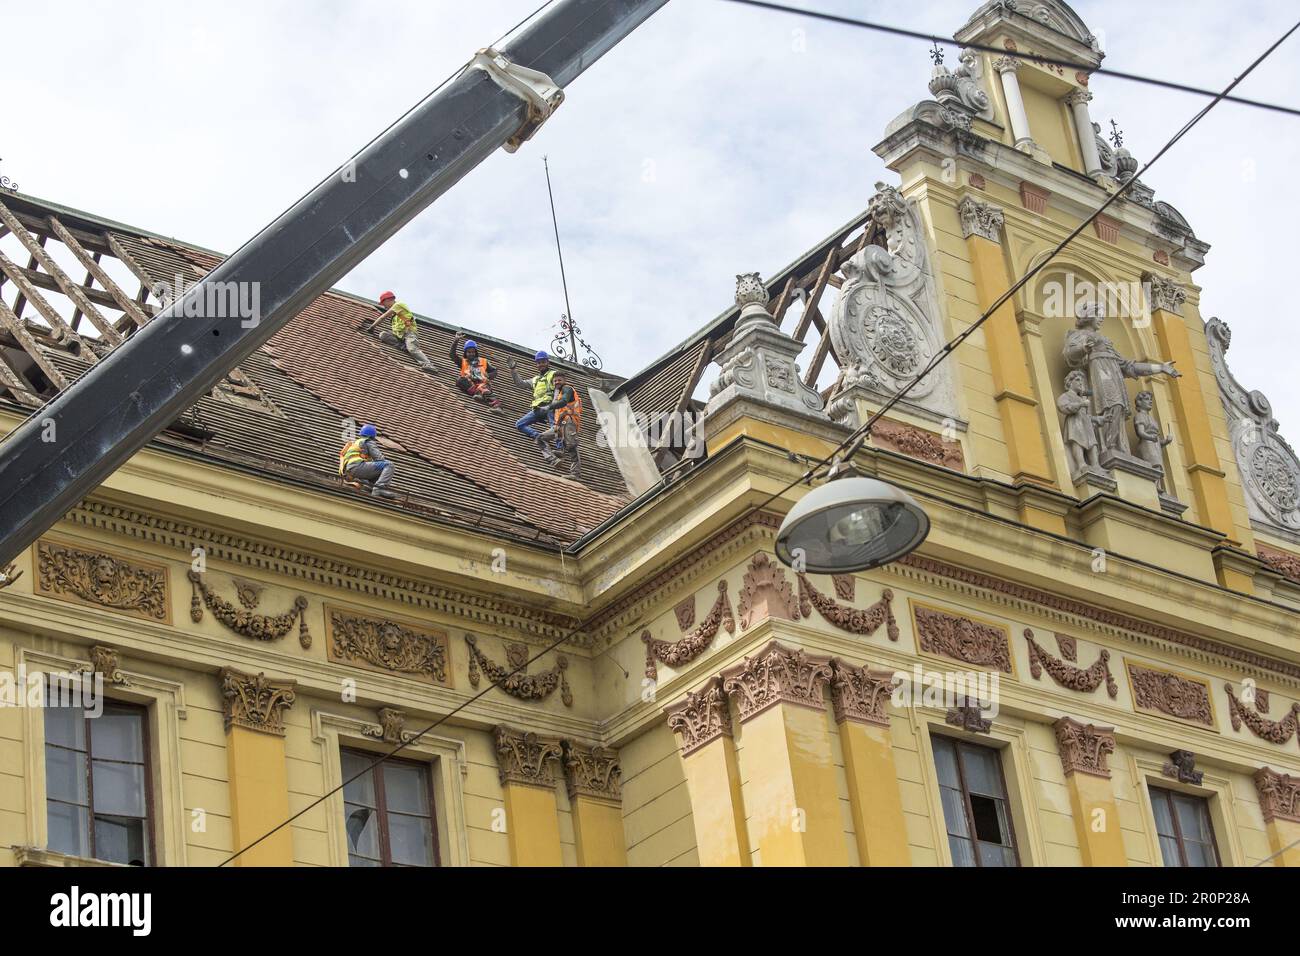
<point x="695" y="643"/>
<point x="1274" y="731"/>
<point x="513" y="677"/>
<point x="1085" y="681"/>
<point x="864" y="622"/>
<point x="133" y="587"/>
<point x="387" y="646"/>
<point x="256" y="627"/>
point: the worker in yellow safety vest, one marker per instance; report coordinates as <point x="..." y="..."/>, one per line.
<point x="403" y="334"/>
<point x="543" y="388"/>
<point x="565" y="403"/>
<point x="363" y="462"/>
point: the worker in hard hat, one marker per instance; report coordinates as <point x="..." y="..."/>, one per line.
<point x="363" y="462"/>
<point x="543" y="389"/>
<point x="403" y="334"/>
<point x="565" y="410"/>
<point x="476" y="372"/>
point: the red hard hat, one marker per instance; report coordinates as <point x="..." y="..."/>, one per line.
<point x="386" y="295"/>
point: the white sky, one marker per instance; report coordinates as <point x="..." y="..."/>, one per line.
<point x="713" y="141"/>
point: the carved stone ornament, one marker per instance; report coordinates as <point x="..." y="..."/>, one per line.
<point x="886" y="324"/>
<point x="918" y="443"/>
<point x="701" y="718"/>
<point x="861" y="695"/>
<point x="9" y="575"/>
<point x="963" y="88"/>
<point x="766" y="593"/>
<point x="248" y="592"/>
<point x="391" y="728"/>
<point x="1171" y="695"/>
<point x="525" y="757"/>
<point x="777" y="674"/>
<point x="1085" y="681"/>
<point x="1165" y="293"/>
<point x="386" y="646"/>
<point x="969" y="718"/>
<point x="255" y="702"/>
<point x="513" y="677"/>
<point x="685" y="614"/>
<point x="256" y="627"/>
<point x="846" y="586"/>
<point x="865" y="621"/>
<point x="758" y="360"/>
<point x="1068" y="647"/>
<point x="592" y="772"/>
<point x="1181" y="765"/>
<point x="961" y="639"/>
<point x="1084" y="747"/>
<point x="695" y="643"/>
<point x="1274" y="731"/>
<point x="1268" y="465"/>
<point x="980" y="219"/>
<point x="1287" y="565"/>
<point x="101" y="579"/>
<point x="106" y="661"/>
<point x="1279" y="795"/>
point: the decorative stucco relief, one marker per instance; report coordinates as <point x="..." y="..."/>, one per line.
<point x="1274" y="731"/>
<point x="766" y="593"/>
<point x="386" y="646"/>
<point x="695" y="643"/>
<point x="524" y="757"/>
<point x="860" y="694"/>
<point x="1279" y="795"/>
<point x="1083" y="680"/>
<point x="1181" y="766"/>
<point x="513" y="677"/>
<point x="592" y="771"/>
<point x="106" y="662"/>
<point x="1084" y="747"/>
<point x="774" y="675"/>
<point x="1173" y="695"/>
<point x="254" y="702"/>
<point x="863" y="621"/>
<point x="701" y="718"/>
<point x="918" y="443"/>
<point x="111" y="582"/>
<point x="256" y="627"/>
<point x="962" y="639"/>
<point x="391" y="728"/>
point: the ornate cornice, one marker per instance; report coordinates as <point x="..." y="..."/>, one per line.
<point x="1085" y="681"/>
<point x="524" y="757"/>
<point x="1274" y="731"/>
<point x="695" y="643"/>
<point x="255" y="702"/>
<point x="865" y="621"/>
<point x="1181" y="765"/>
<point x="1084" y="747"/>
<point x="255" y="627"/>
<point x="777" y="674"/>
<point x="959" y="638"/>
<point x="592" y="772"/>
<point x="1279" y="795"/>
<point x="513" y="678"/>
<point x="1173" y="695"/>
<point x="859" y="694"/>
<point x="701" y="718"/>
<point x="980" y="219"/>
<point x="383" y="645"/>
<point x="98" y="578"/>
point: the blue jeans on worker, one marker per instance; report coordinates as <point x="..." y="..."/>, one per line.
<point x="536" y="416"/>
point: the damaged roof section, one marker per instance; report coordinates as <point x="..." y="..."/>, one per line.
<point x="285" y="412"/>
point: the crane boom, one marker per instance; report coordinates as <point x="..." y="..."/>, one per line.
<point x="148" y="381"/>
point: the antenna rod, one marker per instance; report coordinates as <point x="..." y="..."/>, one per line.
<point x="573" y="341"/>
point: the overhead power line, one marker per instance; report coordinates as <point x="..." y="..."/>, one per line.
<point x="851" y="444"/>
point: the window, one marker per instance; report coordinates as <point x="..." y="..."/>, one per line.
<point x="1183" y="823"/>
<point x="388" y="812"/>
<point x="975" y="805"/>
<point x="98" y="803"/>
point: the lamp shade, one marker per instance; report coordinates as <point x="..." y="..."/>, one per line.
<point x="851" y="524"/>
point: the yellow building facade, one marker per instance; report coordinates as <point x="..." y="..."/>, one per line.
<point x="1088" y="666"/>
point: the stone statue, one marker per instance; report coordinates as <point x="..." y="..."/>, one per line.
<point x="1150" y="446"/>
<point x="1080" y="423"/>
<point x="1088" y="350"/>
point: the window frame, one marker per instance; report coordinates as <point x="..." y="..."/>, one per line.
<point x="1203" y="804"/>
<point x="958" y="744"/>
<point x="381" y="804"/>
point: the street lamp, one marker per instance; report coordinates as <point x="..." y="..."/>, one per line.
<point x="851" y="524"/>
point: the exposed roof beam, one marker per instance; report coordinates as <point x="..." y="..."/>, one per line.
<point x="47" y="311"/>
<point x="123" y="301"/>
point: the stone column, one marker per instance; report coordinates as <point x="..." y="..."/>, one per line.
<point x="1008" y="67"/>
<point x="790" y="789"/>
<point x="254" y="709"/>
<point x="703" y="722"/>
<point x="860" y="698"/>
<point x="526" y="768"/>
<point x="1078" y="102"/>
<point x="1279" y="799"/>
<point x="594" y="780"/>
<point x="1083" y="749"/>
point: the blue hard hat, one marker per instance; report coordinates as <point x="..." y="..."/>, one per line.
<point x="368" y="431"/>
<point x="541" y="357"/>
<point x="470" y="344"/>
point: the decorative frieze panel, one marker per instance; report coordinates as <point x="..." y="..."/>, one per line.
<point x="133" y="587"/>
<point x="1279" y="795"/>
<point x="695" y="643"/>
<point x="766" y="593"/>
<point x="859" y="694"/>
<point x="255" y="627"/>
<point x="1084" y="747"/>
<point x="1274" y="731"/>
<point x="1083" y="680"/>
<point x="701" y="718"/>
<point x="387" y="646"/>
<point x="255" y="702"/>
<point x="864" y="621"/>
<point x="777" y="674"/>
<point x="524" y="757"/>
<point x="1172" y="695"/>
<point x="1287" y="565"/>
<point x="1181" y="766"/>
<point x="592" y="772"/>
<point x="962" y="639"/>
<point x="918" y="443"/>
<point x="513" y="677"/>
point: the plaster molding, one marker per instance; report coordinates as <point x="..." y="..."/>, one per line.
<point x="775" y="675"/>
<point x="1279" y="795"/>
<point x="859" y="694"/>
<point x="513" y="677"/>
<point x="592" y="771"/>
<point x="385" y="645"/>
<point x="864" y="622"/>
<point x="1273" y="731"/>
<point x="1084" y="747"/>
<point x="1082" y="680"/>
<point x="255" y="627"/>
<point x="1181" y="766"/>
<point x="254" y="702"/>
<point x="1179" y="696"/>
<point x="109" y="580"/>
<point x="959" y="638"/>
<point x="981" y="219"/>
<point x="524" y="757"/>
<point x="694" y="643"/>
<point x="701" y="718"/>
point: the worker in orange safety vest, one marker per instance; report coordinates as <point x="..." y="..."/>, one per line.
<point x="476" y="372"/>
